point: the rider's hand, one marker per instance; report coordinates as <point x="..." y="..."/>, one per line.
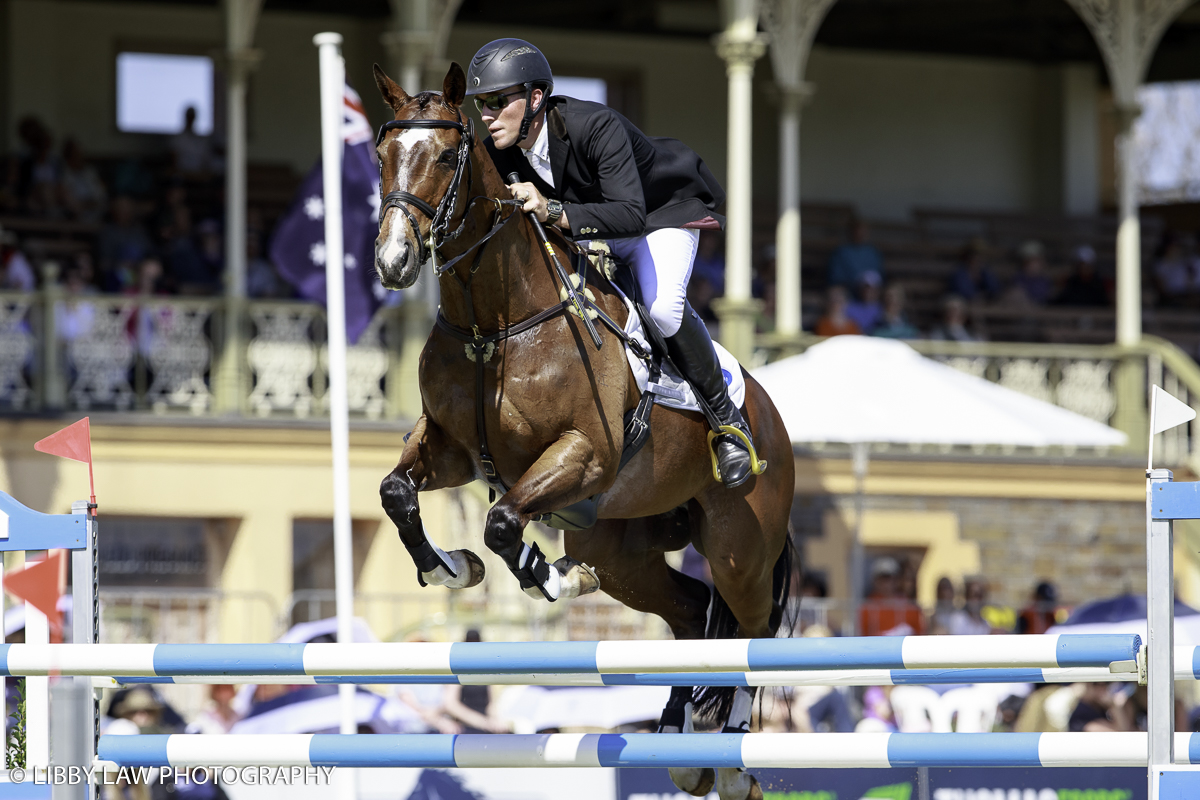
<point x="532" y="198"/>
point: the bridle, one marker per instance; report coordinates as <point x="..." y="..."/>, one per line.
<point x="439" y="218"/>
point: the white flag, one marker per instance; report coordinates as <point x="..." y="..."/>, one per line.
<point x="1166" y="411"/>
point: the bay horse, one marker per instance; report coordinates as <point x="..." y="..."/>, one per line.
<point x="507" y="365"/>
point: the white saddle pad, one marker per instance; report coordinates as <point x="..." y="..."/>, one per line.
<point x="672" y="390"/>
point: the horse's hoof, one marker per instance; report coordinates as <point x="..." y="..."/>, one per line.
<point x="696" y="781"/>
<point x="737" y="784"/>
<point x="467" y="566"/>
<point x="577" y="578"/>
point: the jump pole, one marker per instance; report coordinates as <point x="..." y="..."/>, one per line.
<point x="619" y="657"/>
<point x="333" y="82"/>
<point x="745" y="750"/>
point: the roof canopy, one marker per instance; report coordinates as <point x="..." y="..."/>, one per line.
<point x="861" y="389"/>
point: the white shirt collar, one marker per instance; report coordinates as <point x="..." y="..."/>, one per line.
<point x="541" y="146"/>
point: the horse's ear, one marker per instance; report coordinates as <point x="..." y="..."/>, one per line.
<point x="454" y="87"/>
<point x="393" y="95"/>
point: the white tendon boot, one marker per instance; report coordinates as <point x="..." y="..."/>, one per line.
<point x="737" y="784"/>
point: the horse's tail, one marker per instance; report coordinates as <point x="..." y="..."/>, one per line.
<point x="716" y="702"/>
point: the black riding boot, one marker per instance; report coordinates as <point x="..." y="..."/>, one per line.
<point x="691" y="348"/>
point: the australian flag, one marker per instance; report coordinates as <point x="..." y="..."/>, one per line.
<point x="298" y="247"/>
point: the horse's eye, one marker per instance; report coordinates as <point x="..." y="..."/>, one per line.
<point x="448" y="157"/>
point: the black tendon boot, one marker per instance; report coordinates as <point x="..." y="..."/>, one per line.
<point x="691" y="348"/>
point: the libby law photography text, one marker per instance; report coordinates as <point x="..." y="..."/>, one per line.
<point x="63" y="775"/>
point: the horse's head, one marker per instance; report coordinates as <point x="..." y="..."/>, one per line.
<point x="420" y="173"/>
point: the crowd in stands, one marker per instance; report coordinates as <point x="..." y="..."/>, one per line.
<point x="133" y="226"/>
<point x="958" y="292"/>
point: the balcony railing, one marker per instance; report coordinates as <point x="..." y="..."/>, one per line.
<point x="162" y="355"/>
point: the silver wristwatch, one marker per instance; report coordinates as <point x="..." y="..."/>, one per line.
<point x="554" y="210"/>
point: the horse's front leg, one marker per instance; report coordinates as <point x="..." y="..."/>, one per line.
<point x="566" y="473"/>
<point x="429" y="462"/>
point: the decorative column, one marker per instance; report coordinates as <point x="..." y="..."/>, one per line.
<point x="792" y="25"/>
<point x="420" y="30"/>
<point x="1127" y="32"/>
<point x="739" y="46"/>
<point x="241" y="16"/>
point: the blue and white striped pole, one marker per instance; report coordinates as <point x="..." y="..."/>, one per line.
<point x="746" y="750"/>
<point x="824" y="677"/>
<point x="486" y="658"/>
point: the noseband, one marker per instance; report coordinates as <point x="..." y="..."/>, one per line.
<point x="439" y="218"/>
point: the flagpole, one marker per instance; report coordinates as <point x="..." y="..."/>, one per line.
<point x="333" y="81"/>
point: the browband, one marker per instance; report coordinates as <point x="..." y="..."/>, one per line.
<point x="416" y="123"/>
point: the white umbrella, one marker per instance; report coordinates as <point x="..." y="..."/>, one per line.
<point x="863" y="389"/>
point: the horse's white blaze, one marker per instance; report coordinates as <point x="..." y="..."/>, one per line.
<point x="398" y="230"/>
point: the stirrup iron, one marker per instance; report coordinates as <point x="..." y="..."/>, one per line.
<point x="757" y="467"/>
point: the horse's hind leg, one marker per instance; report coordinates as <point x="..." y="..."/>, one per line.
<point x="745" y="541"/>
<point x="641" y="579"/>
<point x="428" y="462"/>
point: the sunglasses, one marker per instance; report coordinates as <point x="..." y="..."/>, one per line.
<point x="496" y="102"/>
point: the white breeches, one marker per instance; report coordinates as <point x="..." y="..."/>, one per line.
<point x="662" y="263"/>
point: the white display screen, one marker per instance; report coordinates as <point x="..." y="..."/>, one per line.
<point x="154" y="90"/>
<point x="593" y="89"/>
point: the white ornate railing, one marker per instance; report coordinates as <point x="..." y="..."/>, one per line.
<point x="161" y="355"/>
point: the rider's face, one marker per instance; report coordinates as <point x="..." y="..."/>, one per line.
<point x="505" y="124"/>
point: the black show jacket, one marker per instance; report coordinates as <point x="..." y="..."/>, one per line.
<point x="613" y="180"/>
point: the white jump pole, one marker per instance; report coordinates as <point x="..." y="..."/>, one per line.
<point x="333" y="81"/>
<point x="37" y="696"/>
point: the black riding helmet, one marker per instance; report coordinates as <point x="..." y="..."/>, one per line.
<point x="511" y="62"/>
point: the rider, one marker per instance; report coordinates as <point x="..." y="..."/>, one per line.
<point x="588" y="171"/>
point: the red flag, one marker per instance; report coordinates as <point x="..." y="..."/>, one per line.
<point x="73" y="442"/>
<point x="38" y="585"/>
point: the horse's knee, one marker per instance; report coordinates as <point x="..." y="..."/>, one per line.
<point x="502" y="533"/>
<point x="399" y="498"/>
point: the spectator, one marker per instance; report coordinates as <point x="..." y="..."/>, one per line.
<point x="851" y="261"/>
<point x="219" y="715"/>
<point x="943" y="610"/>
<point x="835" y="322"/>
<point x="426" y="700"/>
<point x="123" y="244"/>
<point x="1040" y="614"/>
<point x="83" y="193"/>
<point x="893" y="324"/>
<point x="470" y="704"/>
<point x="1101" y="710"/>
<point x="1031" y="287"/>
<point x="39" y="170"/>
<point x="16" y="274"/>
<point x="954" y="322"/>
<point x="9" y="184"/>
<point x="1175" y="270"/>
<point x="212" y="252"/>
<point x="1083" y="286"/>
<point x="886" y="612"/>
<point x="262" y="281"/>
<point x="866" y="310"/>
<point x="973" y="279"/>
<point x="73" y="315"/>
<point x="186" y="265"/>
<point x="969" y="619"/>
<point x="194" y="154"/>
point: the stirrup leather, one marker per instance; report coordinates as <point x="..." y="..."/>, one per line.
<point x="757" y="467"/>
